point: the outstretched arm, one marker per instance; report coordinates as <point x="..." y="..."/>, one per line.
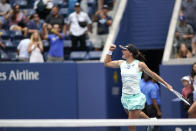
<point x="108" y="61"/>
<point x="152" y="74"/>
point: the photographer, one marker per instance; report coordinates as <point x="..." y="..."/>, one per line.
<point x="79" y="25"/>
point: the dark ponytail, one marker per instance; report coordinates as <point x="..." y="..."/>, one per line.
<point x="136" y="53"/>
<point x="140" y="56"/>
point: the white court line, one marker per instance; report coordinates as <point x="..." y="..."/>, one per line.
<point x="92" y="122"/>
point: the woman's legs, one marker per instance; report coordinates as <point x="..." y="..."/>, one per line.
<point x="192" y="111"/>
<point x="134" y="115"/>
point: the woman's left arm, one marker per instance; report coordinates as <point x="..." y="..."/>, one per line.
<point x="152" y="74"/>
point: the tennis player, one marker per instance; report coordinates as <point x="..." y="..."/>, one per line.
<point x="132" y="67"/>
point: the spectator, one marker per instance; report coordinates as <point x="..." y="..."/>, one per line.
<point x="192" y="109"/>
<point x="4" y="8"/>
<point x="43" y="7"/>
<point x="187" y="90"/>
<point x="36" y="48"/>
<point x="22" y="50"/>
<point x="55" y="18"/>
<point x="17" y="20"/>
<point x="110" y="3"/>
<point x="189" y="9"/>
<point x="56" y="51"/>
<point x="35" y="24"/>
<point x="104" y="22"/>
<point x="79" y="25"/>
<point x="183" y="52"/>
<point x="184" y="33"/>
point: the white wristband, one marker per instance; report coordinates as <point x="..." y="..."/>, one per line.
<point x="109" y="52"/>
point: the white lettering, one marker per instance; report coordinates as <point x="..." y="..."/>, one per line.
<point x="23" y="75"/>
<point x="3" y="76"/>
<point x="12" y="75"/>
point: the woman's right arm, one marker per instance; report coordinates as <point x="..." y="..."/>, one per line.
<point x="108" y="61"/>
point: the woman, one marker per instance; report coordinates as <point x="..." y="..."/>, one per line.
<point x="183" y="52"/>
<point x="192" y="109"/>
<point x="17" y="20"/>
<point x="36" y="48"/>
<point x="131" y="71"/>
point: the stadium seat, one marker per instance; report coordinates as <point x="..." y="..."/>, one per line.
<point x="8" y="43"/>
<point x="4" y="56"/>
<point x="16" y="35"/>
<point x="89" y="45"/>
<point x="67" y="43"/>
<point x="4" y="34"/>
<point x="63" y="12"/>
<point x="13" y="56"/>
<point x="16" y="42"/>
<point x="94" y="55"/>
<point x="78" y="55"/>
<point x="22" y="3"/>
<point x="30" y="12"/>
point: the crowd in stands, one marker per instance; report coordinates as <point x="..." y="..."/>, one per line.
<point x="185" y="37"/>
<point x="189" y="92"/>
<point x="52" y="30"/>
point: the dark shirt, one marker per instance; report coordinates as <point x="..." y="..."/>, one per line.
<point x="55" y="20"/>
<point x="33" y="25"/>
<point x="103" y="26"/>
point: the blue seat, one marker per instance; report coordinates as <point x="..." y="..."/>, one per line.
<point x="13" y="56"/>
<point x="63" y="12"/>
<point x="67" y="43"/>
<point x="78" y="55"/>
<point x="94" y="55"/>
<point x="4" y="56"/>
<point x="30" y="12"/>
<point x="5" y="34"/>
<point x="16" y="42"/>
<point x="8" y="43"/>
<point x="16" y="35"/>
<point x="22" y="3"/>
<point x="89" y="45"/>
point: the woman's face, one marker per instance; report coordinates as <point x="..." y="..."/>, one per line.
<point x="194" y="68"/>
<point x="183" y="48"/>
<point x="17" y="8"/>
<point x="126" y="54"/>
<point x="35" y="36"/>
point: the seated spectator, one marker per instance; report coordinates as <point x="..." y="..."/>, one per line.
<point x="79" y="25"/>
<point x="43" y="7"/>
<point x="35" y="24"/>
<point x="22" y="50"/>
<point x="183" y="52"/>
<point x="104" y="22"/>
<point x="4" y="7"/>
<point x="184" y="33"/>
<point x="36" y="48"/>
<point x="56" y="51"/>
<point x="189" y="9"/>
<point x="55" y="18"/>
<point x="17" y="20"/>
